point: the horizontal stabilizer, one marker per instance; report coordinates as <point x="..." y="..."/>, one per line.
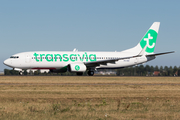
<point x="159" y="54"/>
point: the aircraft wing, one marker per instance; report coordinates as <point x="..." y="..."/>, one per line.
<point x="104" y="62"/>
<point x="156" y="54"/>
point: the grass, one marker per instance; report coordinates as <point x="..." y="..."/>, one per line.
<point x="50" y="97"/>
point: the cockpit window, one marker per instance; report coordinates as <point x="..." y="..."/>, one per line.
<point x="14" y="57"/>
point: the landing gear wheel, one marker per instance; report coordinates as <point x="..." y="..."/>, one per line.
<point x="20" y="73"/>
<point x="90" y="73"/>
<point x="79" y="73"/>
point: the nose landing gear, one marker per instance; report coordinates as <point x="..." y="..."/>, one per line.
<point x="20" y="73"/>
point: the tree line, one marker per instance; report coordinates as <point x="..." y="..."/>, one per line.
<point x="139" y="70"/>
<point x="147" y="70"/>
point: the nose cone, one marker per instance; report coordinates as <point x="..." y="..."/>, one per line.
<point x="7" y="62"/>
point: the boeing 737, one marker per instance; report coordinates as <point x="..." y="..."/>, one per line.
<point x="79" y="61"/>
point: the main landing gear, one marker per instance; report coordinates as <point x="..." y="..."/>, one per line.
<point x="90" y="73"/>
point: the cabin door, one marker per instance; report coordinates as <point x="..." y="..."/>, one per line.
<point x="27" y="58"/>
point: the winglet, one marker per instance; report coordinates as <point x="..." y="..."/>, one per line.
<point x="142" y="51"/>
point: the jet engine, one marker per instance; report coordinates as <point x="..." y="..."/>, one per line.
<point x="77" y="67"/>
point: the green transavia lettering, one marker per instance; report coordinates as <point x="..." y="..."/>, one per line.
<point x="64" y="57"/>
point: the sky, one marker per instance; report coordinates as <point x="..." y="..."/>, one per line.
<point x="88" y="25"/>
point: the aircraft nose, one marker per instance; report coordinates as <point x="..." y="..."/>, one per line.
<point x="7" y="62"/>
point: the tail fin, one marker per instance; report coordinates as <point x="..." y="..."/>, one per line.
<point x="148" y="39"/>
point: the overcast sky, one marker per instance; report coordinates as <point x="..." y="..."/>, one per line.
<point x="88" y="25"/>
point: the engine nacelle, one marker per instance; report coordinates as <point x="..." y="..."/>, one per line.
<point x="17" y="69"/>
<point x="77" y="67"/>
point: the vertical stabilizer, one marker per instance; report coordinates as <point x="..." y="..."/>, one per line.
<point x="148" y="39"/>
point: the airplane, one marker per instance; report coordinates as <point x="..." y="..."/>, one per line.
<point x="81" y="61"/>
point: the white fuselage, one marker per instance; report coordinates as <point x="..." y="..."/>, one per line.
<point x="58" y="60"/>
